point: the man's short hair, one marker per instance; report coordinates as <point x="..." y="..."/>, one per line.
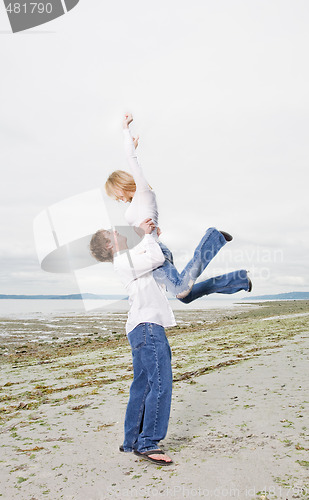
<point x="98" y="247"/>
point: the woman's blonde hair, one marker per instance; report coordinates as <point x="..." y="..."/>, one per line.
<point x="121" y="180"/>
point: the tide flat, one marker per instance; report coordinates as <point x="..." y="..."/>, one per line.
<point x="239" y="419"/>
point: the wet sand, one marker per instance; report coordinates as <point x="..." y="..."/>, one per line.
<point x="239" y="421"/>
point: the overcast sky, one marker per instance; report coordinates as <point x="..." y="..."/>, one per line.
<point x="219" y="92"/>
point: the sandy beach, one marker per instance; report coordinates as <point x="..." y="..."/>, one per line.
<point x="239" y="422"/>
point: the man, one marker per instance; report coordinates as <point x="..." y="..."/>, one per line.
<point x="148" y="408"/>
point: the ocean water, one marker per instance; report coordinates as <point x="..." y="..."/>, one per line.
<point x="27" y="309"/>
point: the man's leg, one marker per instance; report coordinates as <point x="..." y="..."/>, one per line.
<point x="156" y="355"/>
<point x="180" y="284"/>
<point x="226" y="283"/>
<point x="138" y="390"/>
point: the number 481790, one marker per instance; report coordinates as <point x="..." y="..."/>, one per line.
<point x="31" y="8"/>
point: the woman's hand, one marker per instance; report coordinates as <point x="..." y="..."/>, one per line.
<point x="147" y="226"/>
<point x="128" y="118"/>
<point x="135" y="141"/>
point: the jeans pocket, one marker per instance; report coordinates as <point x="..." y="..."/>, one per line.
<point x="137" y="337"/>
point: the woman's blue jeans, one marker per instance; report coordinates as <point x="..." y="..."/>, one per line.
<point x="226" y="283"/>
<point x="182" y="284"/>
<point x="148" y="409"/>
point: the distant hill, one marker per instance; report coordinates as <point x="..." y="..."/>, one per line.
<point x="281" y="296"/>
<point x="74" y="296"/>
<point x="92" y="296"/>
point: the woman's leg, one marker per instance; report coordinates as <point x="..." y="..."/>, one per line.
<point x="180" y="284"/>
<point x="226" y="283"/>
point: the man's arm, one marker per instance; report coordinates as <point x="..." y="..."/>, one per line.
<point x="144" y="258"/>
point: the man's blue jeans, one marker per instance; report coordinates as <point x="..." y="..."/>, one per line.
<point x="182" y="284"/>
<point x="148" y="409"/>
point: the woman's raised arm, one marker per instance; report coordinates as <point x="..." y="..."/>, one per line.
<point x="130" y="145"/>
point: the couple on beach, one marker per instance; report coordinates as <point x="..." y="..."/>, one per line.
<point x="146" y="271"/>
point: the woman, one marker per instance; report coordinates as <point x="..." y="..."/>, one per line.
<point x="134" y="188"/>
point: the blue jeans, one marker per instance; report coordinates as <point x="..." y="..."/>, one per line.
<point x="148" y="409"/>
<point x="226" y="283"/>
<point x="182" y="284"/>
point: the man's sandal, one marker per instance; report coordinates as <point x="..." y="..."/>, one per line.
<point x="146" y="454"/>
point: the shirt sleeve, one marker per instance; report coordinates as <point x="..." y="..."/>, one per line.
<point x="134" y="166"/>
<point x="141" y="260"/>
